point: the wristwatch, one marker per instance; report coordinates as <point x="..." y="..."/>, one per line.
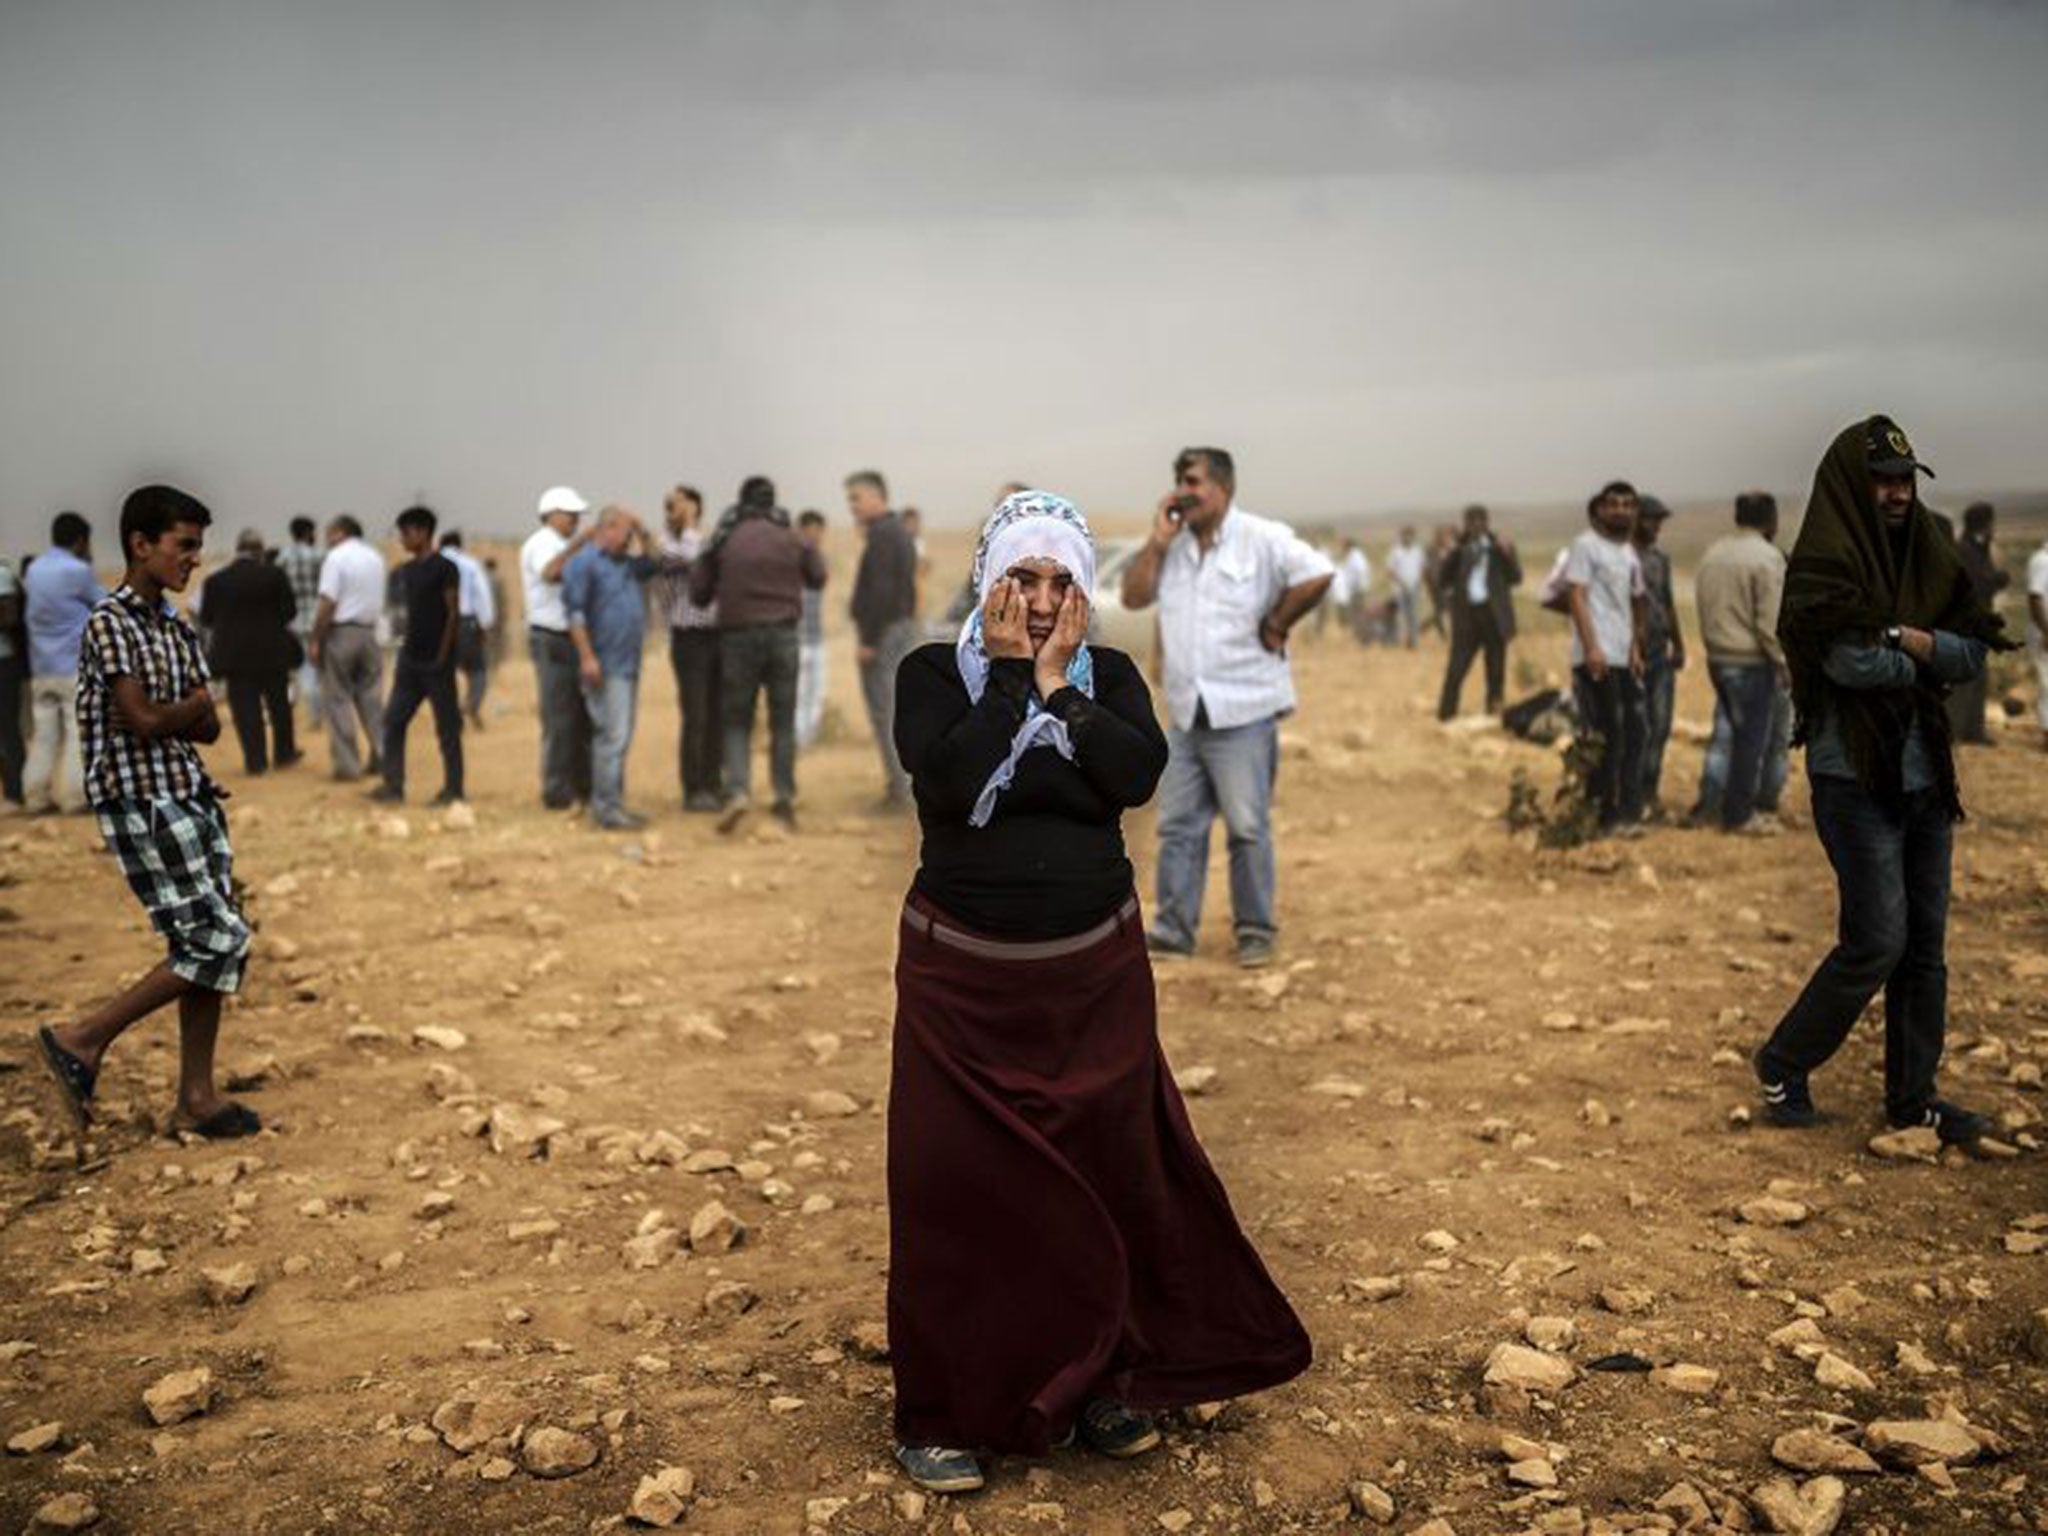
<point x="1894" y="638"/>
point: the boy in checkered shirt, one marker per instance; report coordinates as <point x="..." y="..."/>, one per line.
<point x="142" y="706"/>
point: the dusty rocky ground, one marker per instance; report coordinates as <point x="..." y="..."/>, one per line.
<point x="516" y="1071"/>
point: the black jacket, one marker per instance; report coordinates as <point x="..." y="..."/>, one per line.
<point x="246" y="608"/>
<point x="1503" y="575"/>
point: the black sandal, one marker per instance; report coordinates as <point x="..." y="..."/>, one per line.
<point x="224" y="1124"/>
<point x="74" y="1079"/>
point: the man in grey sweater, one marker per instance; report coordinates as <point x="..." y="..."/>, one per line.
<point x="884" y="619"/>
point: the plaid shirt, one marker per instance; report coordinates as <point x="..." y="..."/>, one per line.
<point x="301" y="563"/>
<point x="126" y="638"/>
<point x="679" y="553"/>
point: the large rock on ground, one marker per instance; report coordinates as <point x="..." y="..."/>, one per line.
<point x="663" y="1497"/>
<point x="1815" y="1450"/>
<point x="1814" y="1508"/>
<point x="714" y="1229"/>
<point x="229" y="1285"/>
<point x="66" y="1512"/>
<point x="466" y="1424"/>
<point x="1916" y="1442"/>
<point x="1531" y="1370"/>
<point x="179" y="1396"/>
<point x="552" y="1452"/>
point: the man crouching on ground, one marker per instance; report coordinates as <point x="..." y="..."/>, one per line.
<point x="142" y="706"/>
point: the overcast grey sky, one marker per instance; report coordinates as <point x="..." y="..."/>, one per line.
<point x="301" y="256"/>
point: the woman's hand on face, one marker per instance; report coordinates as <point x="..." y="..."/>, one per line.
<point x="1004" y="632"/>
<point x="1069" y="630"/>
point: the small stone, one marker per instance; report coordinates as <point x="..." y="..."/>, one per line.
<point x="1686" y="1504"/>
<point x="730" y="1298"/>
<point x="1801" y="1336"/>
<point x="533" y="1231"/>
<point x="1811" y="1509"/>
<point x="434" y="1205"/>
<point x="708" y="1160"/>
<point x="1914" y="1361"/>
<point x="1555" y="1334"/>
<point x="66" y="1512"/>
<point x="1194" y="1082"/>
<point x="869" y="1341"/>
<point x="1531" y="1370"/>
<point x="651" y="1250"/>
<point x="714" y="1229"/>
<point x="1911" y="1442"/>
<point x="37" y="1439"/>
<point x="147" y="1261"/>
<point x="2026" y="1242"/>
<point x="496" y="1469"/>
<point x="179" y="1396"/>
<point x="1176" y="1520"/>
<point x="1919" y="1143"/>
<point x="823" y="1511"/>
<point x="830" y="1104"/>
<point x="443" y="1037"/>
<point x="467" y="1423"/>
<point x="229" y="1285"/>
<point x="1627" y="1300"/>
<point x="1536" y="1472"/>
<point x="552" y="1452"/>
<point x="1691" y="1380"/>
<point x="1376" y="1287"/>
<point x="1372" y="1502"/>
<point x="1937" y="1473"/>
<point x="1831" y="1370"/>
<point x="910" y="1505"/>
<point x="663" y="1497"/>
<point x="1773" y="1211"/>
<point x="1815" y="1450"/>
<point x="785" y="1404"/>
<point x="1439" y="1241"/>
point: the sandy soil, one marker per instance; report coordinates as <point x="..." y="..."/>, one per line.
<point x="1494" y="1082"/>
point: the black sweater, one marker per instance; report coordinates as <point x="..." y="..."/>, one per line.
<point x="1051" y="860"/>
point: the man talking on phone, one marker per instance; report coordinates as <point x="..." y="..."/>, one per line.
<point x="1230" y="587"/>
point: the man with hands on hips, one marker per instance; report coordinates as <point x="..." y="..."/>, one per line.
<point x="1230" y="587"/>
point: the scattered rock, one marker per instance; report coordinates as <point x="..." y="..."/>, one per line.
<point x="1439" y="1241"/>
<point x="1773" y="1211"/>
<point x="1531" y="1370"/>
<point x="229" y="1285"/>
<point x="1815" y="1450"/>
<point x="1831" y="1370"/>
<point x="651" y="1250"/>
<point x="443" y="1037"/>
<point x="37" y="1439"/>
<point x="1627" y="1300"/>
<point x="1914" y="1361"/>
<point x="714" y="1229"/>
<point x="147" y="1261"/>
<point x="466" y="1424"/>
<point x="533" y="1231"/>
<point x="1375" y="1287"/>
<point x="730" y="1298"/>
<point x="1915" y="1442"/>
<point x="1811" y="1509"/>
<point x="830" y="1104"/>
<point x="1194" y="1082"/>
<point x="663" y="1497"/>
<point x="66" y="1512"/>
<point x="1372" y="1502"/>
<point x="1537" y="1472"/>
<point x="179" y="1396"/>
<point x="552" y="1452"/>
<point x="1555" y="1334"/>
<point x="1692" y="1380"/>
<point x="1919" y="1143"/>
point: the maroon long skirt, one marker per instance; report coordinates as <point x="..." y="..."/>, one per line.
<point x="1055" y="1231"/>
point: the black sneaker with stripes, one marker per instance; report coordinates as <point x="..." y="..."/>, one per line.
<point x="1787" y="1100"/>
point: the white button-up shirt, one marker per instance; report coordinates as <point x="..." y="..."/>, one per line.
<point x="1210" y="606"/>
<point x="544" y="607"/>
<point x="473" y="592"/>
<point x="353" y="576"/>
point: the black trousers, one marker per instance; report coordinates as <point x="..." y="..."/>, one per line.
<point x="412" y="684"/>
<point x="13" y="748"/>
<point x="694" y="655"/>
<point x="1892" y="881"/>
<point x="250" y="696"/>
<point x="1612" y="708"/>
<point x="1474" y="630"/>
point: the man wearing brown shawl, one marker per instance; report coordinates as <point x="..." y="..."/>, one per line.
<point x="1879" y="620"/>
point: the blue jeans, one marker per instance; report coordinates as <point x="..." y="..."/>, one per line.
<point x="1749" y="755"/>
<point x="610" y="706"/>
<point x="1210" y="771"/>
<point x="1892" y="883"/>
<point x="1660" y="685"/>
<point x="1404" y="604"/>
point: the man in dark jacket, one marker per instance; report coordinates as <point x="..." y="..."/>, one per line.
<point x="247" y="608"/>
<point x="755" y="569"/>
<point x="884" y="618"/>
<point x="1478" y="580"/>
<point x="1966" y="703"/>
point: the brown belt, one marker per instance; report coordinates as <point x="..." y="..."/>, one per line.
<point x="996" y="949"/>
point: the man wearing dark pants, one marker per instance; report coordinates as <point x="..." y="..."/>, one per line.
<point x="1879" y="616"/>
<point x="425" y="669"/>
<point x="1477" y="581"/>
<point x="247" y="609"/>
<point x="756" y="570"/>
<point x="1739" y="586"/>
<point x="472" y="630"/>
<point x="564" y="723"/>
<point x="1967" y="700"/>
<point x="692" y="652"/>
<point x="884" y="618"/>
<point x="1604" y="585"/>
<point x="1663" y="648"/>
<point x="1230" y="586"/>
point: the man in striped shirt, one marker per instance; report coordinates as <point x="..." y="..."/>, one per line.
<point x="143" y="710"/>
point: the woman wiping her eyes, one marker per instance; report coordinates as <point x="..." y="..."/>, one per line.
<point x="1062" y="1257"/>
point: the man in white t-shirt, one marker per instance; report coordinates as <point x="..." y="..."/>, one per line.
<point x="1604" y="579"/>
<point x="1230" y="587"/>
<point x="344" y="647"/>
<point x="564" y="723"/>
<point x="2037" y="633"/>
<point x="1406" y="562"/>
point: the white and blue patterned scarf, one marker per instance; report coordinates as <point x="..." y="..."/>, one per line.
<point x="1031" y="525"/>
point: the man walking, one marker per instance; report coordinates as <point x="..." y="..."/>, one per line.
<point x="810" y="652"/>
<point x="1967" y="700"/>
<point x="143" y="711"/>
<point x="425" y="666"/>
<point x="564" y="720"/>
<point x="1604" y="583"/>
<point x="884" y="619"/>
<point x="300" y="561"/>
<point x="2037" y="634"/>
<point x="606" y="607"/>
<point x="247" y="609"/>
<point x="13" y="673"/>
<point x="1663" y="648"/>
<point x="756" y="570"/>
<point x="1739" y="585"/>
<point x="692" y="651"/>
<point x="345" y="647"/>
<point x="1477" y="580"/>
<point x="1230" y="587"/>
<point x="61" y="593"/>
<point x="473" y="626"/>
<point x="1405" y="566"/>
<point x="1879" y="614"/>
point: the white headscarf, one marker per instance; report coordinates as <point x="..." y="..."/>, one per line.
<point x="1031" y="525"/>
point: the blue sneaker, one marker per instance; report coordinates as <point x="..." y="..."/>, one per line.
<point x="937" y="1469"/>
<point x="1114" y="1430"/>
